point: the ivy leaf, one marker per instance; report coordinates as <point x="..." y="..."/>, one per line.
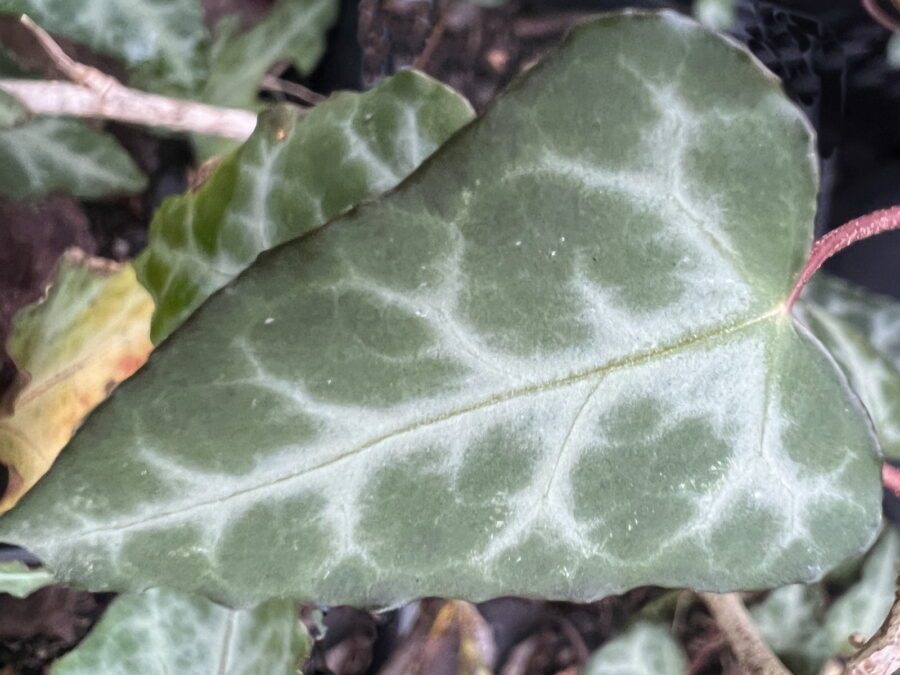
<point x="295" y="173"/>
<point x="63" y="155"/>
<point x="864" y="606"/>
<point x="11" y="111"/>
<point x="160" y="632"/>
<point x="294" y="31"/>
<point x="643" y="648"/>
<point x="556" y="361"/>
<point x="163" y="42"/>
<point x="19" y="581"/>
<point x="790" y="621"/>
<point x="851" y="322"/>
<point x="90" y="333"/>
<point x="875" y="316"/>
<point x="794" y="622"/>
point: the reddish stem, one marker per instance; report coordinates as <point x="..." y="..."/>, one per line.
<point x="882" y="17"/>
<point x="890" y="478"/>
<point x="839" y="239"/>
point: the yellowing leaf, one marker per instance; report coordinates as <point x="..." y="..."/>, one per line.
<point x="91" y="332"/>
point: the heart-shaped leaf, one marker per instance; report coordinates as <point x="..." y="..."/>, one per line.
<point x="160" y="632"/>
<point x="556" y="361"/>
<point x="296" y="172"/>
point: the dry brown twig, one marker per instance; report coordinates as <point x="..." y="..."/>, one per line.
<point x="93" y="94"/>
<point x="748" y="646"/>
<point x="880" y="655"/>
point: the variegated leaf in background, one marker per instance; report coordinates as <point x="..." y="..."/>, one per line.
<point x="295" y="173"/>
<point x="862" y="331"/>
<point x="11" y="111"/>
<point x="18" y="580"/>
<point x="160" y="632"/>
<point x="555" y="362"/>
<point x="90" y="333"/>
<point x="163" y="42"/>
<point x="64" y="155"/>
<point x="644" y="648"/>
<point x="798" y="627"/>
<point x="294" y="32"/>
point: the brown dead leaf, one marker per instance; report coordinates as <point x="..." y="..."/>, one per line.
<point x="90" y="332"/>
<point x="449" y="638"/>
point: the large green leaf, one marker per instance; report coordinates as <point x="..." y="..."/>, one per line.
<point x="161" y="632"/>
<point x="851" y="322"/>
<point x="554" y="362"/>
<point x="62" y="155"/>
<point x="162" y="41"/>
<point x="18" y="580"/>
<point x="644" y="648"/>
<point x="294" y="31"/>
<point x="295" y="173"/>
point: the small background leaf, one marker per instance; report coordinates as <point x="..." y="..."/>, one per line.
<point x="294" y="174"/>
<point x="163" y="42"/>
<point x="644" y="648"/>
<point x="294" y="32"/>
<point x="90" y="333"/>
<point x="19" y="580"/>
<point x="796" y="624"/>
<point x="161" y="632"/>
<point x="64" y="155"/>
<point x="862" y="332"/>
<point x="11" y="111"/>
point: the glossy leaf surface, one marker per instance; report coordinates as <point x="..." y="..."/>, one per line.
<point x="294" y="174"/>
<point x="62" y="155"/>
<point x="554" y="362"/>
<point x="643" y="648"/>
<point x="161" y="632"/>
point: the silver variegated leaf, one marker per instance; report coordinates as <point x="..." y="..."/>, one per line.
<point x="63" y="155"/>
<point x="555" y="362"/>
<point x="294" y="31"/>
<point x="797" y="626"/>
<point x="160" y="632"/>
<point x="861" y="330"/>
<point x="296" y="172"/>
<point x="644" y="648"/>
<point x="163" y="42"/>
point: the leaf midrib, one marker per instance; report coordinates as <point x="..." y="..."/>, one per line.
<point x="601" y="371"/>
